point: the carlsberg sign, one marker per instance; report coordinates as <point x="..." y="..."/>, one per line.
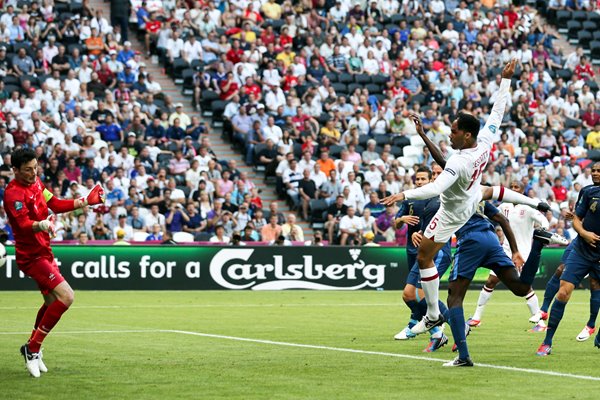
<point x="235" y="268"/>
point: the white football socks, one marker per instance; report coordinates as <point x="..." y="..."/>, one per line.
<point x="484" y="296"/>
<point x="430" y="282"/>
<point x="501" y="193"/>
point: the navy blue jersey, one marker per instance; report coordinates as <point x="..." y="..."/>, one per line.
<point x="480" y="221"/>
<point x="412" y="207"/>
<point x="588" y="209"/>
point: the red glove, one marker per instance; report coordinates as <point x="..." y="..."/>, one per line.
<point x="96" y="196"/>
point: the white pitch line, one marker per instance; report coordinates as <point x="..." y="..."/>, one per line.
<point x="379" y="353"/>
<point x="90" y="332"/>
<point x="282" y="305"/>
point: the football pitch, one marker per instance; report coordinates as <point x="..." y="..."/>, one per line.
<point x="284" y="345"/>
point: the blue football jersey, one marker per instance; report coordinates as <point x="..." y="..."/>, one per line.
<point x="588" y="210"/>
<point x="480" y="221"/>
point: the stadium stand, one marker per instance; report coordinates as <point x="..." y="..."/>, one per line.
<point x="312" y="95"/>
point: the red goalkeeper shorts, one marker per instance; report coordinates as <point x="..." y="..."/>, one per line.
<point x="44" y="272"/>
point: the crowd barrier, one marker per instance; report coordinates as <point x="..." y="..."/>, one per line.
<point x="236" y="268"/>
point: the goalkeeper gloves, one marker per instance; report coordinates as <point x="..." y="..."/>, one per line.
<point x="96" y="196"/>
<point x="47" y="225"/>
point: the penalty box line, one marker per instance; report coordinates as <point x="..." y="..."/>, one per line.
<point x="385" y="354"/>
<point x="319" y="347"/>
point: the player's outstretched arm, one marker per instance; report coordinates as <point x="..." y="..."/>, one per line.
<point x="433" y="189"/>
<point x="497" y="114"/>
<point x="96" y="196"/>
<point x="433" y="149"/>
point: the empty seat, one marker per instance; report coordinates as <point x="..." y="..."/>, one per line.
<point x="345" y="78"/>
<point x="573" y="27"/>
<point x="584" y="38"/>
<point x="362" y="79"/>
<point x="183" y="237"/>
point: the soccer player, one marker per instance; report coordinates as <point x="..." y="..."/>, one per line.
<point x="443" y="259"/>
<point x="583" y="259"/>
<point x="26" y="202"/>
<point x="459" y="189"/>
<point x="478" y="245"/>
<point x="523" y="220"/>
<point x="409" y="213"/>
<point x="554" y="283"/>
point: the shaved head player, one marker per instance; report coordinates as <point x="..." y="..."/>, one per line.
<point x="27" y="201"/>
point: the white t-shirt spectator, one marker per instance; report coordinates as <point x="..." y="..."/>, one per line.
<point x="352" y="225"/>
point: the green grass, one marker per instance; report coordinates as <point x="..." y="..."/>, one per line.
<point x="167" y="365"/>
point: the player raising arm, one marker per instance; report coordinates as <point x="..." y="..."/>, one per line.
<point x="460" y="192"/>
<point x="27" y="202"/>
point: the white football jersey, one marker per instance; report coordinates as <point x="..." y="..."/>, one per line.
<point x="459" y="185"/>
<point x="523" y="220"/>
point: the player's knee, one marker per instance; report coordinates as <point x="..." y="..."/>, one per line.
<point x="564" y="294"/>
<point x="491" y="282"/>
<point x="594" y="284"/>
<point x="423" y="260"/>
<point x="67" y="297"/>
<point x="408" y="294"/>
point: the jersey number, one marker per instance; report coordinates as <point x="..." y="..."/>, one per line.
<point x="433" y="223"/>
<point x="476" y="175"/>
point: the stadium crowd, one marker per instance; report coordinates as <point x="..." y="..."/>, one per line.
<point x="315" y="94"/>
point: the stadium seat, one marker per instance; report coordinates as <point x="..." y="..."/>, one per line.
<point x="562" y="17"/>
<point x="333" y="77"/>
<point x="418" y="98"/>
<point x="363" y="139"/>
<point x="380" y="79"/>
<point x="345" y="78"/>
<point x="202" y="236"/>
<point x="584" y="38"/>
<point x="179" y="64"/>
<point x="593" y="16"/>
<point x="208" y="96"/>
<point x="197" y="65"/>
<point x="373" y="88"/>
<point x="397" y="151"/>
<point x="573" y="27"/>
<point x="317" y="207"/>
<point x="340" y="88"/>
<point x="218" y="106"/>
<point x="140" y="236"/>
<point x="183" y="237"/>
<point x="401" y="141"/>
<point x="579" y="15"/>
<point x="595" y="49"/>
<point x="335" y="151"/>
<point x="363" y="79"/>
<point x="188" y="82"/>
<point x="353" y="86"/>
<point x="566" y="74"/>
<point x="407" y="162"/>
<point x="589" y="25"/>
<point x="416" y="141"/>
<point x="412" y="151"/>
<point x="381" y="139"/>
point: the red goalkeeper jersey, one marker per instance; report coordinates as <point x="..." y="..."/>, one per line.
<point x="25" y="205"/>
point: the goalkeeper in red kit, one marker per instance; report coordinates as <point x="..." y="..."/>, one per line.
<point x="27" y="201"/>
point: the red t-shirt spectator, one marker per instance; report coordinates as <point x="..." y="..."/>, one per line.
<point x="254" y="89"/>
<point x="584" y="72"/>
<point x="233" y="88"/>
<point x="20" y="137"/>
<point x="234" y="55"/>
<point x="153" y="26"/>
<point x="591" y="118"/>
<point x="560" y="193"/>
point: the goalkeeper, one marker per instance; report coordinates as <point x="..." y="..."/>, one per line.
<point x="27" y="201"/>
